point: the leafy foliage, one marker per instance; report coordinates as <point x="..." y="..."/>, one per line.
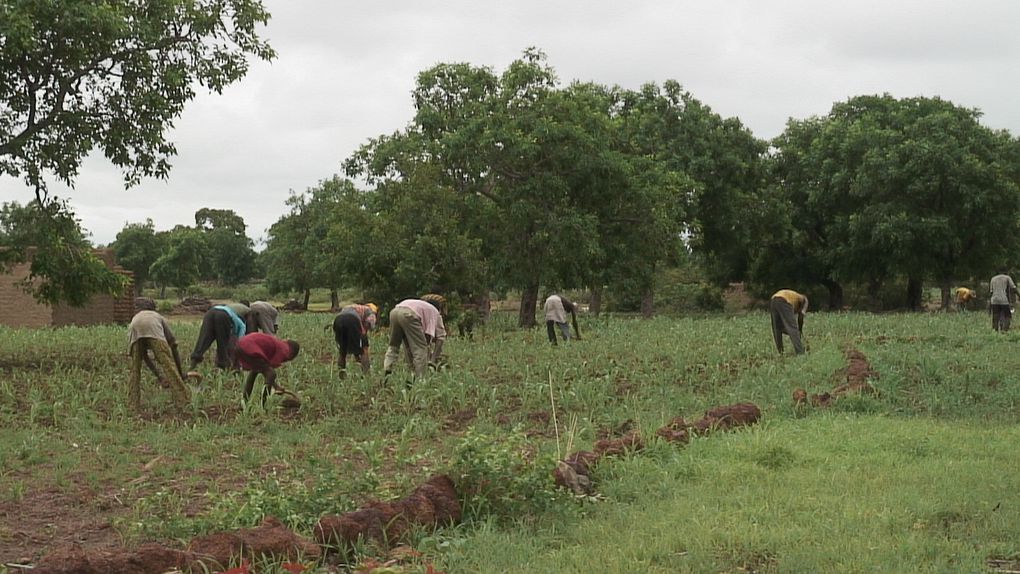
<point x="881" y="187"/>
<point x="77" y="75"/>
<point x="137" y="247"/>
<point x="63" y="266"/>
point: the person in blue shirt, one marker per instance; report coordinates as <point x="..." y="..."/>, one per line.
<point x="224" y="324"/>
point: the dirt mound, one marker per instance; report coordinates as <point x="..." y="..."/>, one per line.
<point x="73" y="559"/>
<point x="213" y="552"/>
<point x="629" y="442"/>
<point x="575" y="471"/>
<point x="857" y="375"/>
<point x="858" y="369"/>
<point x="432" y="504"/>
<point x="270" y="539"/>
<point x="727" y="417"/>
<point x="192" y="305"/>
<point x="675" y="430"/>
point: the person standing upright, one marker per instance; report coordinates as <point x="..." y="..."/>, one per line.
<point x="784" y="305"/>
<point x="1003" y="293"/>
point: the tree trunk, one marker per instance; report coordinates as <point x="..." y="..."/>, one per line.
<point x="308" y="295"/>
<point x="648" y="303"/>
<point x="162" y="291"/>
<point x="529" y="304"/>
<point x="914" y="291"/>
<point x="334" y="300"/>
<point x="874" y="292"/>
<point x="946" y="296"/>
<point x="835" y="294"/>
<point x="484" y="307"/>
<point x="595" y="305"/>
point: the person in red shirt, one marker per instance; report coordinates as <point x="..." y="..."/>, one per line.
<point x="261" y="353"/>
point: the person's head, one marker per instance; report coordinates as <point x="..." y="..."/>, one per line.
<point x="1003" y="271"/>
<point x="373" y="307"/>
<point x="245" y="302"/>
<point x="295" y="348"/>
<point x="144" y="304"/>
<point x="437" y="301"/>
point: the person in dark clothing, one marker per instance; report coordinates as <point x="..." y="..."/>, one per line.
<point x="224" y="325"/>
<point x="1002" y="291"/>
<point x="350" y="331"/>
<point x="784" y="306"/>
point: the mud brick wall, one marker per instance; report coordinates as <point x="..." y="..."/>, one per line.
<point x="18" y="308"/>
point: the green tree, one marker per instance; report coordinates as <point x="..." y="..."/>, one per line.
<point x="180" y="264"/>
<point x="80" y="75"/>
<point x="536" y="155"/>
<point x="231" y="254"/>
<point x="913" y="187"/>
<point x="63" y="266"/>
<point x="286" y="261"/>
<point x="137" y="247"/>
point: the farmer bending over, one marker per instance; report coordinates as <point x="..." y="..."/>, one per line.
<point x="556" y="309"/>
<point x="224" y="324"/>
<point x="149" y="331"/>
<point x="784" y="305"/>
<point x="350" y="331"/>
<point x="261" y="354"/>
<point x="418" y="324"/>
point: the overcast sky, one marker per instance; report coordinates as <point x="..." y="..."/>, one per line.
<point x="345" y="71"/>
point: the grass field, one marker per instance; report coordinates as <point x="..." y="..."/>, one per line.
<point x="921" y="478"/>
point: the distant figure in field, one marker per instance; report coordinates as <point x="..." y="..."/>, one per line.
<point x="417" y="324"/>
<point x="1003" y="295"/>
<point x="350" y="331"/>
<point x="556" y="309"/>
<point x="224" y="324"/>
<point x="262" y="354"/>
<point x="964" y="296"/>
<point x="150" y="332"/>
<point x="262" y="317"/>
<point x="788" y="308"/>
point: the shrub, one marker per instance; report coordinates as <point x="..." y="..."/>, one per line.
<point x="502" y="476"/>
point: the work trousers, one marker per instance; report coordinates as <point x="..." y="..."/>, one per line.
<point x="551" y="331"/>
<point x="217" y="326"/>
<point x="406" y="328"/>
<point x="784" y="320"/>
<point x="1002" y="316"/>
<point x="164" y="362"/>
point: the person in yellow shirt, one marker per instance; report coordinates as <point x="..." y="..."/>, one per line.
<point x="964" y="296"/>
<point x="784" y="306"/>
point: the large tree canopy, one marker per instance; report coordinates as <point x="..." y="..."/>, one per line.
<point x="914" y="187"/>
<point x="81" y="75"/>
